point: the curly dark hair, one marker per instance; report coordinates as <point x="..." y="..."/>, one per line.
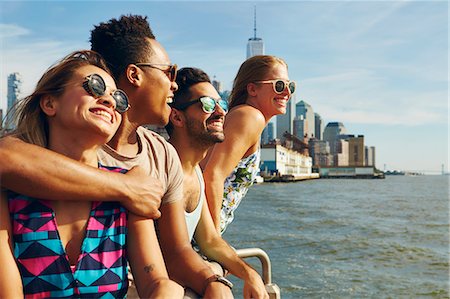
<point x="122" y="42"/>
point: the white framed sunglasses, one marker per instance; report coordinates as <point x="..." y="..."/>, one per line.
<point x="280" y="85"/>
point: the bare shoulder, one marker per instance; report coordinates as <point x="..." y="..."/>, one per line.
<point x="245" y="116"/>
<point x="10" y="140"/>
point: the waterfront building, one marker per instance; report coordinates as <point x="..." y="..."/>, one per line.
<point x="279" y="160"/>
<point x="304" y="114"/>
<point x="319" y="151"/>
<point x="356" y="153"/>
<point x="370" y="156"/>
<point x="285" y="121"/>
<point x="13" y="95"/>
<point x="341" y="157"/>
<point x="255" y="45"/>
<point x="356" y="149"/>
<point x="318" y="126"/>
<point x="350" y="172"/>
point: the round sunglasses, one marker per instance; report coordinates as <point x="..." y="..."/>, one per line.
<point x="209" y="104"/>
<point x="280" y="85"/>
<point x="96" y="87"/>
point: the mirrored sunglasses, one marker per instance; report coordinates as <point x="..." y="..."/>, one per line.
<point x="96" y="87"/>
<point x="209" y="104"/>
<point x="170" y="71"/>
<point x="280" y="85"/>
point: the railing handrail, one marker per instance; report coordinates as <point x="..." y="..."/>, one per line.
<point x="263" y="258"/>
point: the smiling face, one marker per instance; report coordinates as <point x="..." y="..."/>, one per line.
<point x="270" y="102"/>
<point x="204" y="128"/>
<point x="150" y="106"/>
<point x="81" y="115"/>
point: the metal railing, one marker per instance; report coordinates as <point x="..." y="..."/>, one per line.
<point x="271" y="288"/>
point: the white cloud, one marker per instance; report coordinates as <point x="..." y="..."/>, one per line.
<point x="361" y="96"/>
<point x="12" y="30"/>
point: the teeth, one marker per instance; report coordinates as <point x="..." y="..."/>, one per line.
<point x="104" y="114"/>
<point x="169" y="100"/>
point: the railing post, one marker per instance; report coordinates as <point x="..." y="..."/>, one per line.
<point x="271" y="288"/>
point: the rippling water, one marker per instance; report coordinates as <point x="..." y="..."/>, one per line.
<point x="350" y="238"/>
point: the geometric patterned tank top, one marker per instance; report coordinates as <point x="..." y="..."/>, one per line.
<point x="101" y="269"/>
<point x="236" y="186"/>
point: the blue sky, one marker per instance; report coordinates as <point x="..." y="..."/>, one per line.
<point x="380" y="67"/>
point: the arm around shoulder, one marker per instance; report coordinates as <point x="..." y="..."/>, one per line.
<point x="61" y="178"/>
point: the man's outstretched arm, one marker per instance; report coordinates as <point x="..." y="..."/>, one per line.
<point x="35" y="171"/>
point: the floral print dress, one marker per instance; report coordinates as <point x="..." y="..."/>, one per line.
<point x="236" y="187"/>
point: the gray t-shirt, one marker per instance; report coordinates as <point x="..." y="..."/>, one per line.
<point x="156" y="156"/>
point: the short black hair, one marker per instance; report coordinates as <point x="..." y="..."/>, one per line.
<point x="186" y="77"/>
<point x="122" y="42"/>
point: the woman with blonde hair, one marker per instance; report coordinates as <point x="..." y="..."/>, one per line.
<point x="67" y="248"/>
<point x="261" y="90"/>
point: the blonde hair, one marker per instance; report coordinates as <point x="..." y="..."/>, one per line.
<point x="27" y="117"/>
<point x="253" y="69"/>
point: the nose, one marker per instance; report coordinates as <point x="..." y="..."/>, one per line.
<point x="173" y="86"/>
<point x="219" y="110"/>
<point x="107" y="100"/>
<point x="286" y="88"/>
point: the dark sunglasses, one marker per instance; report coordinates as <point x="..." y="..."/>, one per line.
<point x="209" y="104"/>
<point x="96" y="87"/>
<point x="280" y="85"/>
<point x="171" y="71"/>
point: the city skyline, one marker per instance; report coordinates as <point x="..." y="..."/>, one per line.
<point x="378" y="67"/>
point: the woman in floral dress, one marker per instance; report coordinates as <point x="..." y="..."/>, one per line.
<point x="261" y="90"/>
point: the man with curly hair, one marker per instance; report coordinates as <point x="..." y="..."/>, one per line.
<point x="142" y="68"/>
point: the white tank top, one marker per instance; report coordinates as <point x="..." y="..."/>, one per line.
<point x="193" y="217"/>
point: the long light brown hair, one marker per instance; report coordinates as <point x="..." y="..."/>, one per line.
<point x="253" y="69"/>
<point x="27" y="117"/>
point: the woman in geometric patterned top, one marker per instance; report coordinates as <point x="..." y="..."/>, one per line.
<point x="75" y="249"/>
<point x="261" y="90"/>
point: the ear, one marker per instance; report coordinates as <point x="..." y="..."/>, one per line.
<point x="177" y="118"/>
<point x="133" y="75"/>
<point x="48" y="105"/>
<point x="251" y="89"/>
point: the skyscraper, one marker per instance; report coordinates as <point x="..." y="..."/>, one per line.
<point x="285" y="122"/>
<point x="318" y="126"/>
<point x="255" y="45"/>
<point x="331" y="134"/>
<point x="14" y="85"/>
<point x="304" y="119"/>
<point x="268" y="133"/>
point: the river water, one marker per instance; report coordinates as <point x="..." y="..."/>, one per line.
<point x="334" y="238"/>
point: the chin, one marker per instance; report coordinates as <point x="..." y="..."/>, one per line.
<point x="281" y="111"/>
